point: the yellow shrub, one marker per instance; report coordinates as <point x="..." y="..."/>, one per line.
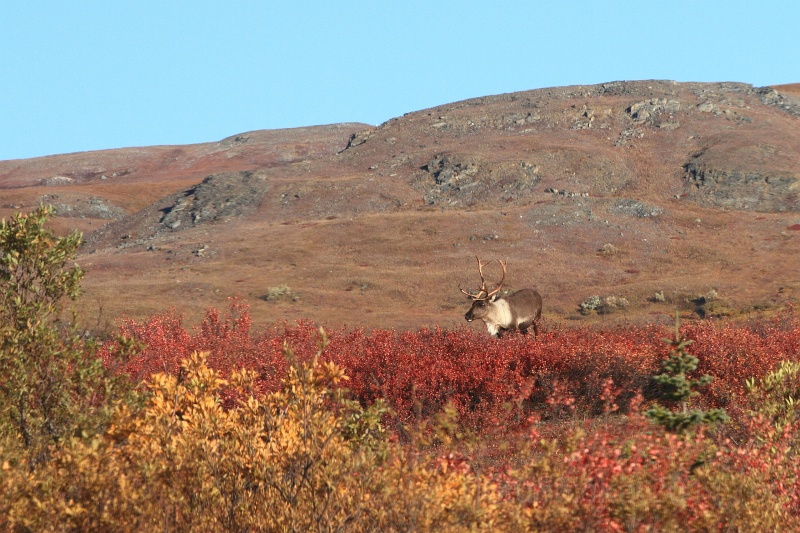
<point x="185" y="463"/>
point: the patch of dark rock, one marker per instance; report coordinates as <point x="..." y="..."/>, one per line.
<point x="561" y="192"/>
<point x="358" y="138"/>
<point x="771" y="97"/>
<point x="453" y="180"/>
<point x="218" y="197"/>
<point x="747" y="190"/>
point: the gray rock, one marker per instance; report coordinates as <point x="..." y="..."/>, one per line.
<point x="648" y="110"/>
<point x="747" y="190"/>
<point x="635" y="208"/>
<point x="218" y="197"/>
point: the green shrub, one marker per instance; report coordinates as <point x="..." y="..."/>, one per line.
<point x="776" y="395"/>
<point x="51" y="385"/>
<point x="677" y="388"/>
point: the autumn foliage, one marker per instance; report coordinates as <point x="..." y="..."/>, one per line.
<point x="225" y="428"/>
<point x="288" y="429"/>
<point x="488" y="382"/>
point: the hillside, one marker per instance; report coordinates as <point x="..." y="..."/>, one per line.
<point x="624" y="189"/>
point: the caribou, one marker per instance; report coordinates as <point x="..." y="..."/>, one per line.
<point x="517" y="311"/>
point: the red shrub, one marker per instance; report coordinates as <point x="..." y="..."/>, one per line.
<point x="488" y="381"/>
<point x="625" y="474"/>
<point x="734" y="352"/>
<point x="419" y="373"/>
<point x="166" y="342"/>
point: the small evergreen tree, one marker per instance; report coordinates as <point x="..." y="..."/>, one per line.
<point x="677" y="388"/>
<point x="51" y="384"/>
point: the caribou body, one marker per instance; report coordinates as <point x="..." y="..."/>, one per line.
<point x="517" y="311"/>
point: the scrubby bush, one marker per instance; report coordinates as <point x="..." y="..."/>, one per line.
<point x="279" y="292"/>
<point x="52" y="387"/>
<point x="488" y="382"/>
<point x="289" y="462"/>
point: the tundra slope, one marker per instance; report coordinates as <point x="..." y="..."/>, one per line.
<point x="626" y="189"/>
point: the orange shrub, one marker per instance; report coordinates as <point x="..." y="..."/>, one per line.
<point x="288" y="463"/>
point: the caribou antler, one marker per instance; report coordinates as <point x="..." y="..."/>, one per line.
<point x="499" y="285"/>
<point x="477" y="295"/>
<point x="483" y="290"/>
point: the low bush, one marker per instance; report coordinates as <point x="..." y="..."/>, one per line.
<point x="293" y="461"/>
<point x="286" y="429"/>
<point x="52" y="387"/>
<point x="288" y="463"/>
<point x="487" y="381"/>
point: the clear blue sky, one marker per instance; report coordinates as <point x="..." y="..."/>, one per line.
<point x="85" y="75"/>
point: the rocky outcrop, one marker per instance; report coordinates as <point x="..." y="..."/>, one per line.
<point x="218" y="197"/>
<point x="782" y="101"/>
<point x="460" y="180"/>
<point x="83" y="207"/>
<point x="748" y="190"/>
<point x="659" y="112"/>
